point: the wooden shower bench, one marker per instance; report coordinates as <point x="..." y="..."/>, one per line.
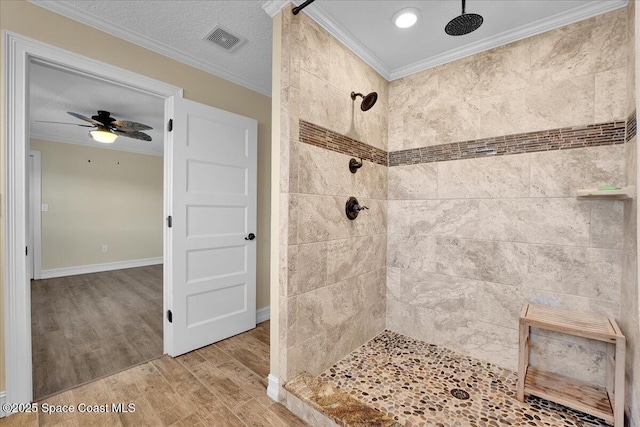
<point x="606" y="403"/>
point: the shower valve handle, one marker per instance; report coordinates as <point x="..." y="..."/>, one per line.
<point x="359" y="208"/>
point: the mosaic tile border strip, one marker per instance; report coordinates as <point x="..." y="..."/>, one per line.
<point x="610" y="133"/>
<point x="631" y="126"/>
<point x="324" y="138"/>
<point x="555" y="139"/>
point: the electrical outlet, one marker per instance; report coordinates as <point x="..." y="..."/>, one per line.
<point x="45" y="207"/>
<point x="105" y="248"/>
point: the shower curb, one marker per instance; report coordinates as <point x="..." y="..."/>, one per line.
<point x="335" y="404"/>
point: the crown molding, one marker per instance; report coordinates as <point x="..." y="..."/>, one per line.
<point x="538" y="27"/>
<point x="347" y="39"/>
<point x="146" y="42"/>
<point x="273" y="7"/>
<point x="53" y="138"/>
<point x="589" y="10"/>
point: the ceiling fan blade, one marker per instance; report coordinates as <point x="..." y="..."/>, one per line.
<point x="86" y="119"/>
<point x="133" y="134"/>
<point x="64" y="123"/>
<point x="127" y="125"/>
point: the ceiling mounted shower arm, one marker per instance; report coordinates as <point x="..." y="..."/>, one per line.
<point x="297" y="9"/>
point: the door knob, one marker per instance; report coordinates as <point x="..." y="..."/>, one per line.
<point x="251" y="236"/>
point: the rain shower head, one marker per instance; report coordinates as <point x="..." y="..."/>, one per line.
<point x="367" y="101"/>
<point x="463" y="24"/>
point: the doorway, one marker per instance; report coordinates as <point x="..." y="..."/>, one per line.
<point x="210" y="168"/>
<point x="96" y="303"/>
<point x="191" y="280"/>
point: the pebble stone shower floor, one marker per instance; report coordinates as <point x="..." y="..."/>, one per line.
<point x="412" y="381"/>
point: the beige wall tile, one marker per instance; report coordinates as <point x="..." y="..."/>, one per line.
<point x="307" y="267"/>
<point x="411" y="320"/>
<point x="325" y="172"/>
<point x="458" y="218"/>
<point x="610" y="96"/>
<point x="546" y="106"/>
<point x="587" y="272"/>
<point x="586" y="47"/>
<point x="312" y="48"/>
<point x="500" y="262"/>
<point x="413" y="182"/>
<point x="561" y="173"/>
<point x="607" y="221"/>
<point x="411" y="252"/>
<point x="553" y="221"/>
<point x="477" y="339"/>
<point x="493" y="177"/>
<point x="629" y="293"/>
<point x="352" y="257"/>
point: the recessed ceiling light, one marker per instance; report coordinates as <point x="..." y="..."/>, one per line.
<point x="405" y="18"/>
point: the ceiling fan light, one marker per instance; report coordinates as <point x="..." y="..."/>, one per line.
<point x="104" y="136"/>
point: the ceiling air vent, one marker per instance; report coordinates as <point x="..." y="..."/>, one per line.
<point x="223" y="38"/>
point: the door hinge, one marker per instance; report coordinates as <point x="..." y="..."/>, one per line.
<point x="169" y="316"/>
<point x="169" y="221"/>
<point x="170" y="125"/>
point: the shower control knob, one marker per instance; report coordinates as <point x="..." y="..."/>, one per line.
<point x="251" y="236"/>
<point x="353" y="208"/>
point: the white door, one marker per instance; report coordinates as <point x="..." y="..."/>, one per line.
<point x="213" y="213"/>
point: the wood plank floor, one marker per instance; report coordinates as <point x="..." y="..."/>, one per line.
<point x="88" y="326"/>
<point x="222" y="385"/>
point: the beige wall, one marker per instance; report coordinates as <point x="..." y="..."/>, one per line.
<point x="629" y="295"/>
<point x="332" y="283"/>
<point x="99" y="197"/>
<point x="32" y="21"/>
<point x="470" y="241"/>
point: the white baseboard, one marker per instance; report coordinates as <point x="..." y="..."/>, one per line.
<point x="3" y="399"/>
<point x="263" y="314"/>
<point x="97" y="268"/>
<point x="273" y="391"/>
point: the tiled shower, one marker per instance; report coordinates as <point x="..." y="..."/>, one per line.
<point x="470" y="176"/>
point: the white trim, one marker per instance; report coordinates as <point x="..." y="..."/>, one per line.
<point x="586" y="10"/>
<point x="589" y="10"/>
<point x="263" y="314"/>
<point x="97" y="268"/>
<point x="273" y="390"/>
<point x="273" y="7"/>
<point x="35" y="207"/>
<point x="45" y="137"/>
<point x="347" y="39"/>
<point x="2" y="400"/>
<point x="110" y="27"/>
<point x="18" y="52"/>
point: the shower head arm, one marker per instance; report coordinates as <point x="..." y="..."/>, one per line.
<point x="354" y="95"/>
<point x="463" y="5"/>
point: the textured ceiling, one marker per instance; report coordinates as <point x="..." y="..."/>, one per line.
<point x="175" y="28"/>
<point x="54" y="92"/>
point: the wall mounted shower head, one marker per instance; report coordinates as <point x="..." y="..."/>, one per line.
<point x="463" y="24"/>
<point x="367" y="101"/>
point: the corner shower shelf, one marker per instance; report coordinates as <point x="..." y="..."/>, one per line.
<point x="603" y="402"/>
<point x="624" y="193"/>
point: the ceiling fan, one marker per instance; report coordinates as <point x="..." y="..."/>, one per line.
<point x="107" y="129"/>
